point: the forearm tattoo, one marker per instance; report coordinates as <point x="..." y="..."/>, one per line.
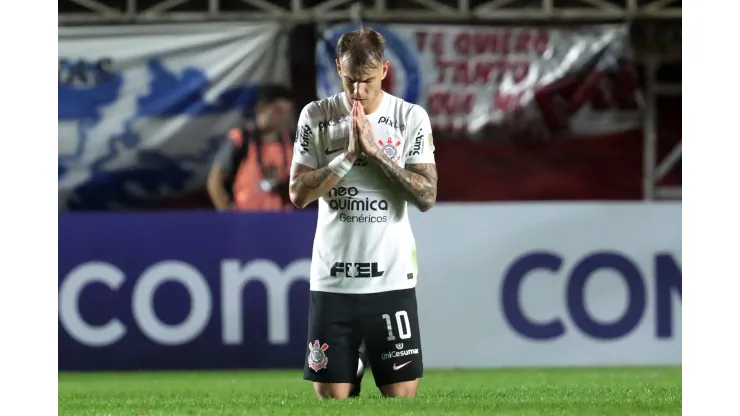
<point x="313" y="180"/>
<point x="419" y="181"/>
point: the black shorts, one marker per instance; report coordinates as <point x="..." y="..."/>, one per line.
<point x="387" y="321"/>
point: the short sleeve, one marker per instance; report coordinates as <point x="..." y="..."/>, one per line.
<point x="419" y="141"/>
<point x="304" y="149"/>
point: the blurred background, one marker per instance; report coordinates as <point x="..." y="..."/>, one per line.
<point x="556" y="240"/>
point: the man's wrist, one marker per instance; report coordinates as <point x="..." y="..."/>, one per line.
<point x="350" y="157"/>
<point x="340" y="165"/>
<point x="377" y="153"/>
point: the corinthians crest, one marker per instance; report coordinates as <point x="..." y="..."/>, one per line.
<point x="391" y="149"/>
<point x="317" y="355"/>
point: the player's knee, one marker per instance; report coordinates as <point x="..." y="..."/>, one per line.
<point x="332" y="390"/>
<point x="403" y="389"/>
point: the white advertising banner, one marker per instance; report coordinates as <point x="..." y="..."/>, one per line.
<point x="144" y="108"/>
<point x="571" y="284"/>
<point x="500" y="285"/>
<point x="506" y="82"/>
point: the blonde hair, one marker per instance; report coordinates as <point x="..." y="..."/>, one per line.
<point x="365" y="48"/>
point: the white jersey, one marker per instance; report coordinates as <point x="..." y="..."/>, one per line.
<point x="363" y="241"/>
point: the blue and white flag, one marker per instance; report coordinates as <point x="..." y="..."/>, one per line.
<point x="143" y="109"/>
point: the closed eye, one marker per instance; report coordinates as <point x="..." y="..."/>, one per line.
<point x="363" y="81"/>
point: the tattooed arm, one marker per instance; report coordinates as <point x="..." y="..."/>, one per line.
<point x="418" y="180"/>
<point x="308" y="184"/>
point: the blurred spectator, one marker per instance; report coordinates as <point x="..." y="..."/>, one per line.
<point x="252" y="169"/>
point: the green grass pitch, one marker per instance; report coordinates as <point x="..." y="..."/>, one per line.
<point x="593" y="391"/>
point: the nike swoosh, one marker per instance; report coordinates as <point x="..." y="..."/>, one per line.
<point x="398" y="367"/>
<point x="328" y="152"/>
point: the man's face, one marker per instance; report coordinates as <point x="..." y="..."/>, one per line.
<point x="362" y="84"/>
<point x="277" y="115"/>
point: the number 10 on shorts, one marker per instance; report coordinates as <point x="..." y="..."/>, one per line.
<point x="402" y="322"/>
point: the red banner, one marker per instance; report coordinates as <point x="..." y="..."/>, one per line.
<point x="505" y="83"/>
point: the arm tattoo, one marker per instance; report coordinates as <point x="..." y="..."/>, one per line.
<point x="314" y="179"/>
<point x="419" y="181"/>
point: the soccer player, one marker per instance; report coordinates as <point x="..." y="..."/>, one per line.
<point x="363" y="154"/>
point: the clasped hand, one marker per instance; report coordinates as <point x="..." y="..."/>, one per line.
<point x="361" y="137"/>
